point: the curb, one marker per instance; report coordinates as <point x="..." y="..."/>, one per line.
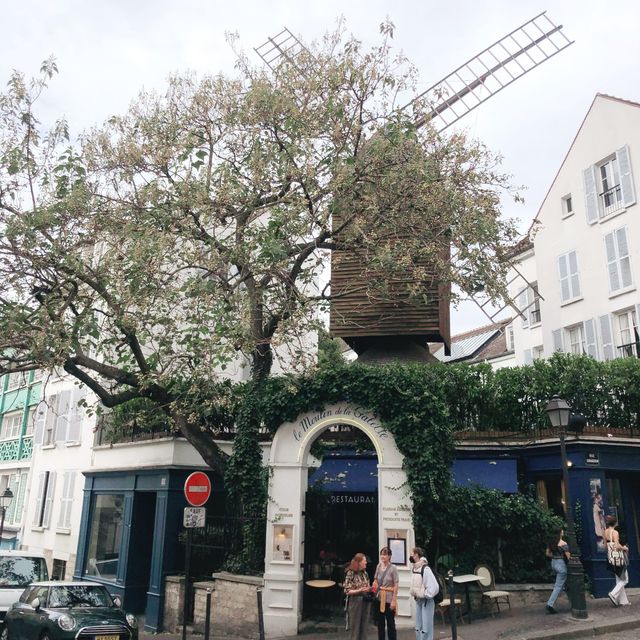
<point x="592" y="630"/>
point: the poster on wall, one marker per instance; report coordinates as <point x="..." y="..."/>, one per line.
<point x="283" y="543"/>
<point x="398" y="548"/>
<point x="595" y="486"/>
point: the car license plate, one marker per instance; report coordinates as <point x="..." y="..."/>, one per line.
<point x="116" y="637"/>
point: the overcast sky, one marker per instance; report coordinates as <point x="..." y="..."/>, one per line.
<point x="108" y="50"/>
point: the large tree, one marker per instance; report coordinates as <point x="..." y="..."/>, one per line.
<point x="192" y="232"/>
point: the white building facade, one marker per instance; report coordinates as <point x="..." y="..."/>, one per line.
<point x="585" y="242"/>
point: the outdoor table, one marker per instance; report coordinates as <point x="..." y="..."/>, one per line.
<point x="320" y="584"/>
<point x="466" y="579"/>
<point x="323" y="597"/>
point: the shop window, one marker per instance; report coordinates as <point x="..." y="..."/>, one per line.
<point x="105" y="536"/>
<point x="550" y="492"/>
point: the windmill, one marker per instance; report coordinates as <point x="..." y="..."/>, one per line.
<point x="367" y="324"/>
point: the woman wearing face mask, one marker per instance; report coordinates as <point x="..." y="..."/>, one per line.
<point x="386" y="586"/>
<point x="424" y="587"/>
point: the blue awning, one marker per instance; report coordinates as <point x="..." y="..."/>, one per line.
<point x="492" y="473"/>
<point x="346" y="475"/>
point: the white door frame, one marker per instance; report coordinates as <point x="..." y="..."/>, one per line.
<point x="284" y="556"/>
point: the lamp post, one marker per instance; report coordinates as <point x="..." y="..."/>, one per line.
<point x="5" y="501"/>
<point x="559" y="413"/>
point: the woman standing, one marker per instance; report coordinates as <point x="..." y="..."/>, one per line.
<point x="356" y="584"/>
<point x="617" y="595"/>
<point x="558" y="551"/>
<point x="424" y="587"/>
<point x="385" y="585"/>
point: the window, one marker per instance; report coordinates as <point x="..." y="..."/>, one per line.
<point x="567" y="206"/>
<point x="66" y="503"/>
<point x="59" y="569"/>
<point x="105" y="536"/>
<point x="508" y="334"/>
<point x="610" y="195"/>
<point x="608" y="186"/>
<point x="16" y="380"/>
<point x="628" y="337"/>
<point x="550" y="492"/>
<point x="18" y="486"/>
<point x="537" y="352"/>
<point x="529" y="305"/>
<point x="59" y="418"/>
<point x="575" y="339"/>
<point x="44" y="499"/>
<point x="11" y="425"/>
<point x="618" y="261"/>
<point x="31" y="421"/>
<point x="569" y="277"/>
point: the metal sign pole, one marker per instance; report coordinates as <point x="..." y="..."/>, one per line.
<point x="187" y="576"/>
<point x="452" y="606"/>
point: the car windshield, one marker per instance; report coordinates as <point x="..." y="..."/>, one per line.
<point x="79" y="596"/>
<point x="20" y="571"/>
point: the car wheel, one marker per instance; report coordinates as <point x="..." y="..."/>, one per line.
<point x="5" y="632"/>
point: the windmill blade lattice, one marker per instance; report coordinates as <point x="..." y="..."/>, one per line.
<point x="282" y="45"/>
<point x="494" y="306"/>
<point x="491" y="70"/>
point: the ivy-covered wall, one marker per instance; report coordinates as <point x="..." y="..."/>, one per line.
<point x="423" y="406"/>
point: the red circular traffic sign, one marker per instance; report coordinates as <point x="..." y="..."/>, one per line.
<point x="197" y="488"/>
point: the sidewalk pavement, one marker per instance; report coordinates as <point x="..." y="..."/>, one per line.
<point x="523" y="623"/>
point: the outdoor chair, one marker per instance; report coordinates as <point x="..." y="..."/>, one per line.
<point x="488" y="588"/>
<point x="445" y="605"/>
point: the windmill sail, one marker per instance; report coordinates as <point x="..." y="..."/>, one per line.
<point x="357" y="317"/>
<point x="491" y="70"/>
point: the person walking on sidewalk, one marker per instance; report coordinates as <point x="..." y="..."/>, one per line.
<point x="617" y="595"/>
<point x="558" y="551"/>
<point x="356" y="584"/>
<point x="385" y="585"/>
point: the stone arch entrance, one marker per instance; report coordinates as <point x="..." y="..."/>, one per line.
<point x="283" y="578"/>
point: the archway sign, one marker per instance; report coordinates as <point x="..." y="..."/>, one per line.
<point x="284" y="556"/>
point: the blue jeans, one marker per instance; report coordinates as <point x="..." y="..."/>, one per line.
<point x="424" y="619"/>
<point x="560" y="567"/>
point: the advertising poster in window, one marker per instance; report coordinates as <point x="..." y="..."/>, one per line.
<point x="595" y="486"/>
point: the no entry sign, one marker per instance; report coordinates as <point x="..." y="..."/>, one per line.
<point x="197" y="488"/>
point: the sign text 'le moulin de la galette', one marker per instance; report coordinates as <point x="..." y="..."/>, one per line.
<point x="336" y="413"/>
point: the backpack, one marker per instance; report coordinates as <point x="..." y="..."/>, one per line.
<point x="418" y="590"/>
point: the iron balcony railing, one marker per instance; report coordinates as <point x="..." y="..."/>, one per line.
<point x="610" y="201"/>
<point x="630" y="350"/>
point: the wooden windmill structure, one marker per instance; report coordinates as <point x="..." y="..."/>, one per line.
<point x="397" y="325"/>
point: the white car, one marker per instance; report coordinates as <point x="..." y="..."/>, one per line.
<point x="18" y="569"/>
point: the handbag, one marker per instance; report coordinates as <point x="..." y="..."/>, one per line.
<point x="616" y="558"/>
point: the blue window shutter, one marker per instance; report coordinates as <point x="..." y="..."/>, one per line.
<point x="590" y="194"/>
<point x="606" y="335"/>
<point x="626" y="178"/>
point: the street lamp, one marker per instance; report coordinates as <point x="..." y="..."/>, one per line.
<point x="559" y="413"/>
<point x="5" y="501"/>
